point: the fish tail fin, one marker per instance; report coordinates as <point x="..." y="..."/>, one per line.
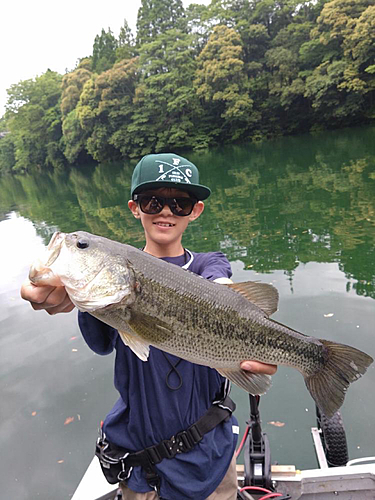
<point x="343" y="366"/>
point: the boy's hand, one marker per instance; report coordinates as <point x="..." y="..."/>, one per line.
<point x="258" y="367"/>
<point x="52" y="299"/>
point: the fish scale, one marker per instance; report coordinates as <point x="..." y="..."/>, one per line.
<point x="250" y="339"/>
<point x="152" y="302"/>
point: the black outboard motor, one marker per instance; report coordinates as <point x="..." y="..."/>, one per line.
<point x="257" y="453"/>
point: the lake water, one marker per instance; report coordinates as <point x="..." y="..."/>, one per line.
<point x="296" y="212"/>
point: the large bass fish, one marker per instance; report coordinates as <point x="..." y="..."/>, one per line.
<point x="152" y="302"/>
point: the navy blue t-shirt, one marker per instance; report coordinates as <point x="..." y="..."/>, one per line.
<point x="165" y="395"/>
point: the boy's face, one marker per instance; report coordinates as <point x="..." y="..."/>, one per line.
<point x="165" y="228"/>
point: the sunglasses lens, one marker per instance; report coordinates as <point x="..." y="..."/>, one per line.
<point x="152" y="205"/>
<point x="181" y="206"/>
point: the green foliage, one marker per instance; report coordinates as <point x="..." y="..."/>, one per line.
<point x="104" y="51"/>
<point x="74" y="138"/>
<point x="225" y="72"/>
<point x="72" y="85"/>
<point x="19" y="94"/>
<point x="156" y="17"/>
<point x="339" y="87"/>
<point x="106" y="103"/>
<point x="126" y="43"/>
<point x="199" y="25"/>
<point x="221" y="83"/>
<point x="165" y="105"/>
<point x="35" y="125"/>
<point x="7" y="153"/>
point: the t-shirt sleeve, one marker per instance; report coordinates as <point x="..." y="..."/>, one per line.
<point x="100" y="337"/>
<point x="215" y="265"/>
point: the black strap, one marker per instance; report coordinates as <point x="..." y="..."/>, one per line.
<point x="183" y="441"/>
<point x="117" y="463"/>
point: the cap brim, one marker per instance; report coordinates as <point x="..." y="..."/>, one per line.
<point x="199" y="191"/>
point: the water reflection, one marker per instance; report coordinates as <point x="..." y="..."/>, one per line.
<point x="298" y="213"/>
<point x="273" y="206"/>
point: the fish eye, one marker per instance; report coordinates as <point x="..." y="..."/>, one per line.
<point x="82" y="244"/>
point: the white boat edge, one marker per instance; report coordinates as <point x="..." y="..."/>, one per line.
<point x="323" y="484"/>
<point x="93" y="485"/>
<point x="355" y="481"/>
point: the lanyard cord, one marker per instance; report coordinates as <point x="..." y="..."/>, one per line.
<point x="189" y="257"/>
<point x="173" y="369"/>
<point x="188" y="262"/>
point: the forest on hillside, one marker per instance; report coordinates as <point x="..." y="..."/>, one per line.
<point x="232" y="71"/>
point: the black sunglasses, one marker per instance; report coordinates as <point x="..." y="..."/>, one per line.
<point x="151" y="204"/>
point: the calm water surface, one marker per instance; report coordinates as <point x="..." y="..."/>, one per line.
<point x="298" y="213"/>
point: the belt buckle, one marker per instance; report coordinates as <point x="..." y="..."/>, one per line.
<point x="170" y="446"/>
<point x="183" y="442"/>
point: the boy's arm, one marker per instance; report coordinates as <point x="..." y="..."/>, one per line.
<point x="101" y="338"/>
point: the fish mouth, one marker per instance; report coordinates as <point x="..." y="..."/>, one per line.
<point x="40" y="270"/>
<point x="54" y="247"/>
<point x="57" y="235"/>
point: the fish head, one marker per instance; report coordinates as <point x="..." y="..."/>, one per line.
<point x="93" y="269"/>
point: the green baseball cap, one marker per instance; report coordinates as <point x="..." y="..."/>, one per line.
<point x="167" y="170"/>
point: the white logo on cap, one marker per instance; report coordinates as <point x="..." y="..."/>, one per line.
<point x="175" y="173"/>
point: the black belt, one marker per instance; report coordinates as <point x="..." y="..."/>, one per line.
<point x="117" y="463"/>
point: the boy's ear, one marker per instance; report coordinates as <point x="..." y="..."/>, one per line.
<point x="197" y="210"/>
<point x="133" y="207"/>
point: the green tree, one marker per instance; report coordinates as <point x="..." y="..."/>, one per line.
<point x="156" y="17"/>
<point x="284" y="79"/>
<point x="106" y="107"/>
<point x="274" y="14"/>
<point x="199" y="25"/>
<point x="7" y="153"/>
<point x="19" y="94"/>
<point x="337" y="87"/>
<point x="126" y="43"/>
<point x="72" y="85"/>
<point x="223" y="86"/>
<point x="104" y="51"/>
<point x="166" y="108"/>
<point x="74" y="139"/>
<point x="34" y="122"/>
<point x="359" y="50"/>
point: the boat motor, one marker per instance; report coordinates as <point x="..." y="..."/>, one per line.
<point x="257" y="453"/>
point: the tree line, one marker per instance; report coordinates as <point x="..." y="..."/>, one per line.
<point x="232" y="71"/>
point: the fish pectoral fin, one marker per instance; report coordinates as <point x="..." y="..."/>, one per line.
<point x="136" y="344"/>
<point x="253" y="383"/>
<point x="146" y="326"/>
<point x="263" y="295"/>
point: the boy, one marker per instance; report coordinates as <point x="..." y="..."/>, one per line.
<point x="165" y="395"/>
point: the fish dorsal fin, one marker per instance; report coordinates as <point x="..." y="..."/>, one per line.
<point x="263" y="295"/>
<point x="136" y="344"/>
